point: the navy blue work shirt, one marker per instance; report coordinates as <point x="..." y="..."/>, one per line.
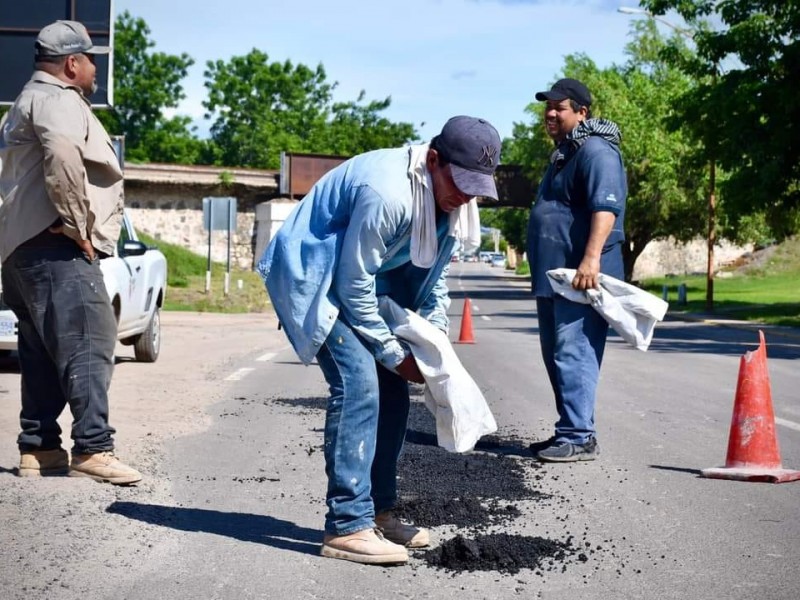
<point x="587" y="180"/>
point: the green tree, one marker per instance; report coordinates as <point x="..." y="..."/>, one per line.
<point x="665" y="174"/>
<point x="666" y="170"/>
<point x="512" y="223"/>
<point x="530" y="148"/>
<point x="145" y="84"/>
<point x="261" y="108"/>
<point x="743" y="109"/>
<point x="357" y="127"/>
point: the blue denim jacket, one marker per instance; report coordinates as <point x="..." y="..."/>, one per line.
<point x="344" y="244"/>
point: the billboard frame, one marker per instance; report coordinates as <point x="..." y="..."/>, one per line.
<point x="13" y="13"/>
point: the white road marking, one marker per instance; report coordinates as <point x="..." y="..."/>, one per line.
<point x="266" y="357"/>
<point x="789" y="424"/>
<point x="238" y="375"/>
<point x="486" y="318"/>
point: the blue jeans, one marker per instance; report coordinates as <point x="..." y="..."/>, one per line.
<point x="365" y="426"/>
<point x="67" y="335"/>
<point x="572" y="338"/>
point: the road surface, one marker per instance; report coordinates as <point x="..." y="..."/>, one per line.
<point x="227" y="427"/>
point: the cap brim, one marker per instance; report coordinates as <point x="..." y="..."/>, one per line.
<point x="550" y="95"/>
<point x="473" y="183"/>
<point x="98" y="50"/>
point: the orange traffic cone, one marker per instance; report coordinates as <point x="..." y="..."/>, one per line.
<point x="753" y="453"/>
<point x="466" y="336"/>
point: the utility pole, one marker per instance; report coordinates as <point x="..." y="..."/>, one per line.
<point x="712" y="227"/>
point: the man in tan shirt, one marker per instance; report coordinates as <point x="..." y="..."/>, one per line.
<point x="61" y="185"/>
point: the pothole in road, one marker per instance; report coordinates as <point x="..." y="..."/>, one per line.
<point x="477" y="493"/>
<point x="480" y="496"/>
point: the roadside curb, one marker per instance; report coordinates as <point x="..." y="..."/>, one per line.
<point x="791" y="333"/>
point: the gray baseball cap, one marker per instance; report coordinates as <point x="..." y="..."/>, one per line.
<point x="66" y="37"/>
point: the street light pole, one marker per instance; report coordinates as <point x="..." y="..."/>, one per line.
<point x="711" y="238"/>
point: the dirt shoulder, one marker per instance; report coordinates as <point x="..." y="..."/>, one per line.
<point x="53" y="546"/>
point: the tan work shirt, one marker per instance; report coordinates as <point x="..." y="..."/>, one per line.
<point x="57" y="161"/>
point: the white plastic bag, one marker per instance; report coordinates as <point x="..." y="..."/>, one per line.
<point x="461" y="412"/>
<point x="630" y="311"/>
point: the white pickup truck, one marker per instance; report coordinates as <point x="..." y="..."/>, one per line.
<point x="136" y="280"/>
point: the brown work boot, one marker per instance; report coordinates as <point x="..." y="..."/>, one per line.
<point x="103" y="466"/>
<point x="398" y="532"/>
<point x="42" y="463"/>
<point x="368" y="547"/>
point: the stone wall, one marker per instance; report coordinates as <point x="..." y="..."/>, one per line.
<point x="669" y="257"/>
<point x="167" y="204"/>
<point x="175" y="220"/>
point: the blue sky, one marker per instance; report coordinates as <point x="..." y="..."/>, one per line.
<point x="435" y="58"/>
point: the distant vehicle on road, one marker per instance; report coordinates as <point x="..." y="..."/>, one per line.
<point x="498" y="260"/>
<point x="8" y="328"/>
<point x="136" y="280"/>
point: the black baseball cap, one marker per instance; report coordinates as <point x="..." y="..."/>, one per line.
<point x="567" y="88"/>
<point x="472" y="147"/>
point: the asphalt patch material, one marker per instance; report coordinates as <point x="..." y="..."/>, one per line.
<point x="507" y="553"/>
<point x="477" y="493"/>
<point x="476" y="500"/>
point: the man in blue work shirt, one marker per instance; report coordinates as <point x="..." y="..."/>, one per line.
<point x="379" y="224"/>
<point x="577" y="223"/>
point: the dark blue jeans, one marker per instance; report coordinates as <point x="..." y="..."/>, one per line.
<point x="67" y="334"/>
<point x="573" y="338"/>
<point x="365" y="427"/>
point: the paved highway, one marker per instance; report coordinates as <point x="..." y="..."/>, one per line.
<point x="233" y="507"/>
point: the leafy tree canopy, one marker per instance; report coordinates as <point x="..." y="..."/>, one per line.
<point x="145" y="84"/>
<point x="260" y="108"/>
<point x="744" y="108"/>
<point x="666" y="176"/>
<point x="512" y="222"/>
<point x="357" y="127"/>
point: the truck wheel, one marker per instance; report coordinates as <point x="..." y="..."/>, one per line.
<point x="148" y="344"/>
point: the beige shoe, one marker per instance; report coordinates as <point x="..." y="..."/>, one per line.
<point x="37" y="463"/>
<point x="398" y="532"/>
<point x="368" y="547"/>
<point x="103" y="466"/>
